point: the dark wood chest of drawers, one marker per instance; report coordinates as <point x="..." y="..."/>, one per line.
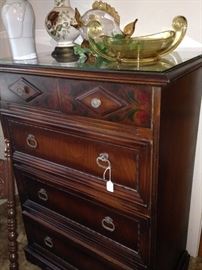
<point x="71" y="132"/>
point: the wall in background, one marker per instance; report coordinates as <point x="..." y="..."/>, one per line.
<point x="1" y="4"/>
<point x="153" y="16"/>
<point x="195" y="217"/>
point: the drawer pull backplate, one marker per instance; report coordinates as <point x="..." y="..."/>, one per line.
<point x="31" y="141"/>
<point x="48" y="242"/>
<point x="108" y="224"/>
<point x="95" y="103"/>
<point x="42" y="195"/>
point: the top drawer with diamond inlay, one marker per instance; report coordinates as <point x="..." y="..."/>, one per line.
<point x="114" y="102"/>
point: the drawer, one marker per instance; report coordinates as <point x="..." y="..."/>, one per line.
<point x="129" y="232"/>
<point x="75" y="244"/>
<point x="59" y="246"/>
<point x="114" y="102"/>
<point x="130" y="167"/>
<point x="34" y="91"/>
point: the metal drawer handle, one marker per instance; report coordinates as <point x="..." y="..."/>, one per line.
<point x="42" y="195"/>
<point x="23" y="90"/>
<point x="31" y="141"/>
<point x="48" y="242"/>
<point x="95" y="102"/>
<point x="20" y="91"/>
<point x="108" y="224"/>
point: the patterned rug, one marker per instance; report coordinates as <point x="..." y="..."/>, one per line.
<point x="196" y="264"/>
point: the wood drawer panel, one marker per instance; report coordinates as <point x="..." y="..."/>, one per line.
<point x="103" y="220"/>
<point x="35" y="91"/>
<point x="114" y="102"/>
<point x="46" y="259"/>
<point x="65" y="236"/>
<point x="130" y="166"/>
<point x="75" y="256"/>
<point x="128" y="202"/>
<point x="121" y="103"/>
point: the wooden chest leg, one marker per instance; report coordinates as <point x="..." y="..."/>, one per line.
<point x="184" y="261"/>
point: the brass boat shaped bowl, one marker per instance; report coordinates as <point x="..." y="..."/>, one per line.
<point x="143" y="49"/>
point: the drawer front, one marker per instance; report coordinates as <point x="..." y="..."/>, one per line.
<point x="126" y="231"/>
<point x="114" y="102"/>
<point x="121" y="103"/>
<point x="130" y="167"/>
<point x="69" y="243"/>
<point x="34" y="91"/>
<point x="54" y="243"/>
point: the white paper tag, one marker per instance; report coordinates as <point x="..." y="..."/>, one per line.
<point x="110" y="186"/>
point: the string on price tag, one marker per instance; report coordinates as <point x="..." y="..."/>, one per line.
<point x="104" y="162"/>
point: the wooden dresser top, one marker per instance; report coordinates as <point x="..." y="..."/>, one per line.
<point x="161" y="73"/>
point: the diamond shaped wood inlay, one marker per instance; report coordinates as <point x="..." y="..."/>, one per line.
<point x="101" y="101"/>
<point x="24" y="89"/>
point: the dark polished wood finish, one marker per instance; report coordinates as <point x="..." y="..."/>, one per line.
<point x="62" y="122"/>
<point x="3" y="187"/>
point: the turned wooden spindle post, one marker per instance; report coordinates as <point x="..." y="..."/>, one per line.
<point x="12" y="226"/>
<point x="2" y="179"/>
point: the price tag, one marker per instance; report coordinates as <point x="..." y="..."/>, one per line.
<point x="107" y="174"/>
<point x="110" y="186"/>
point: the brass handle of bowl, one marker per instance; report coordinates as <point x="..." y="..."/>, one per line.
<point x="31" y="141"/>
<point x="179" y="25"/>
<point x="42" y="195"/>
<point x="95" y="103"/>
<point x="48" y="242"/>
<point x="108" y="224"/>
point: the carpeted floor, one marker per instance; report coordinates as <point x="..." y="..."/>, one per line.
<point x="196" y="264"/>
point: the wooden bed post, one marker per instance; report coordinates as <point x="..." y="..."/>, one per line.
<point x="11" y="204"/>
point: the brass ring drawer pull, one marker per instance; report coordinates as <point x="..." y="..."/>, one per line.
<point x="42" y="195"/>
<point x="31" y="141"/>
<point x="48" y="242"/>
<point x="108" y="224"/>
